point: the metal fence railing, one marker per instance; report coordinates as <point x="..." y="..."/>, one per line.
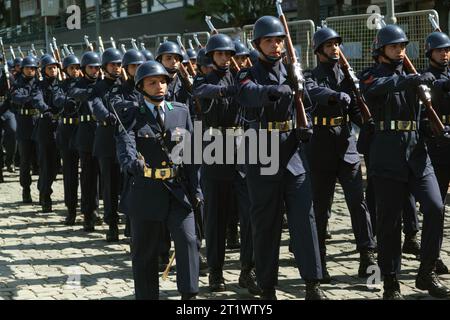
<point x="358" y="38"/>
<point x="301" y="32"/>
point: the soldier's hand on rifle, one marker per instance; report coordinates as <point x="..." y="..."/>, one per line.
<point x="342" y="99"/>
<point x="137" y="168"/>
<point x="369" y="126"/>
<point x="111" y="119"/>
<point x="303" y="134"/>
<point x="426" y="78"/>
<point x="279" y="91"/>
<point x="228" y="91"/>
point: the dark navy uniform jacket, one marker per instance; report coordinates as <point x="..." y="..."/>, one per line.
<point x="21" y="95"/>
<point x="67" y="108"/>
<point x="5" y="96"/>
<point x="253" y="93"/>
<point x="176" y="91"/>
<point x="104" y="143"/>
<point x="43" y="101"/>
<point x="327" y="142"/>
<point x="147" y="198"/>
<point x="82" y="91"/>
<point x="393" y="154"/>
<point x="219" y="110"/>
<point x="440" y="96"/>
<point x="125" y="97"/>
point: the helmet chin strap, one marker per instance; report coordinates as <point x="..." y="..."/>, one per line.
<point x="152" y="98"/>
<point x="394" y="62"/>
<point x="329" y="58"/>
<point x="441" y="65"/>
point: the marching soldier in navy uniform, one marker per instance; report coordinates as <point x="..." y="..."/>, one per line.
<point x="46" y="128"/>
<point x="26" y="116"/>
<point x="161" y="191"/>
<point x="127" y="97"/>
<point x="82" y="91"/>
<point x="221" y="180"/>
<point x="437" y="47"/>
<point x="399" y="163"/>
<point x="333" y="149"/>
<point x="409" y="213"/>
<point x="264" y="90"/>
<point x="8" y="124"/>
<point x="169" y="54"/>
<point x="65" y="135"/>
<point x="104" y="143"/>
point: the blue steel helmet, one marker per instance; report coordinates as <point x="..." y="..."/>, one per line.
<point x="268" y="26"/>
<point x="390" y="34"/>
<point x="436" y="40"/>
<point x="168" y="47"/>
<point x="90" y="58"/>
<point x="111" y="55"/>
<point x="220" y="42"/>
<point x="148" y="69"/>
<point x="241" y="49"/>
<point x="323" y="35"/>
<point x="147" y="55"/>
<point x="70" y="60"/>
<point x="133" y="56"/>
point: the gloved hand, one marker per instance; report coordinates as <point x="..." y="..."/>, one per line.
<point x="137" y="168"/>
<point x="47" y="114"/>
<point x="303" y="134"/>
<point x="342" y="99"/>
<point x="228" y="91"/>
<point x="369" y="126"/>
<point x="111" y="119"/>
<point x="280" y="91"/>
<point x="444" y="137"/>
<point x="426" y="78"/>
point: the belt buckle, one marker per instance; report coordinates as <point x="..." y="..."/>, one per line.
<point x="162" y="174"/>
<point x="336" y="121"/>
<point x="147" y="172"/>
<point x="404" y="125"/>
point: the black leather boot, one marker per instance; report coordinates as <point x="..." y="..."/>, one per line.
<point x="391" y="288"/>
<point x="411" y="245"/>
<point x="112" y="235"/>
<point x="46" y="204"/>
<point x="441" y="268"/>
<point x="427" y="279"/>
<point x="71" y="216"/>
<point x="216" y="280"/>
<point x="247" y="279"/>
<point x="313" y="291"/>
<point x="26" y="196"/>
<point x="366" y="259"/>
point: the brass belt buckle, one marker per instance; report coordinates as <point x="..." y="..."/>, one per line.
<point x="162" y="174"/>
<point x="404" y="125"/>
<point x="336" y="121"/>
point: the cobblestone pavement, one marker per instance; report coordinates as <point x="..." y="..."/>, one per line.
<point x="40" y="258"/>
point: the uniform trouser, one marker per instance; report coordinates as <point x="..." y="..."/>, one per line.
<point x="409" y="213"/>
<point x="26" y="150"/>
<point x="110" y="176"/>
<point x="217" y="194"/>
<point x="47" y="166"/>
<point x="89" y="183"/>
<point x="70" y="176"/>
<point x="266" y="198"/>
<point x="350" y="178"/>
<point x="389" y="208"/>
<point x="443" y="178"/>
<point x="8" y="129"/>
<point x="145" y="242"/>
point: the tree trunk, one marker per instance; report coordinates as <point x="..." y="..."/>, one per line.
<point x="134" y="7"/>
<point x="309" y="11"/>
<point x="15" y="12"/>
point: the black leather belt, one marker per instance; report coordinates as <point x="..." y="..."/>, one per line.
<point x="28" y="112"/>
<point x="331" y="122"/>
<point x="70" y="121"/>
<point x="161" y="173"/>
<point x="396" y="125"/>
<point x="86" y="118"/>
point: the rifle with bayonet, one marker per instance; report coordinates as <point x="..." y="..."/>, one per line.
<point x="190" y="67"/>
<point x="214" y="31"/>
<point x="295" y="74"/>
<point x="5" y="65"/>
